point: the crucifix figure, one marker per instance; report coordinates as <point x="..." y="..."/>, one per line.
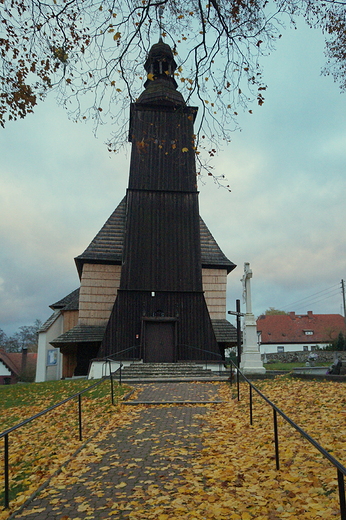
<point x="246" y="287"/>
<point x="251" y="362"/>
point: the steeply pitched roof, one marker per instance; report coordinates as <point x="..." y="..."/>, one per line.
<point x="69" y="302"/>
<point x="107" y="246"/>
<point x="298" y="328"/>
<point x="50" y="321"/>
<point x="11" y="361"/>
<point x="211" y="254"/>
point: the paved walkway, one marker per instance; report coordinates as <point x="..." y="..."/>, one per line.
<point x="170" y="393"/>
<point x="141" y="463"/>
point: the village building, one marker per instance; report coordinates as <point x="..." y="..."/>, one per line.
<point x="298" y="332"/>
<point x="153" y="280"/>
<point x="17" y="366"/>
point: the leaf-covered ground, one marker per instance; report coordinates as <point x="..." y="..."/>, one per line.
<point x="39" y="448"/>
<point x="233" y="475"/>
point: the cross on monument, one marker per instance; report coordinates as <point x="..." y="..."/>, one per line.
<point x="251" y="362"/>
<point x="246" y="287"/>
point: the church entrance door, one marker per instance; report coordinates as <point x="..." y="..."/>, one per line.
<point x="159" y="341"/>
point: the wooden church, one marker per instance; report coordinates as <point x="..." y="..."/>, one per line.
<point x="153" y="280"/>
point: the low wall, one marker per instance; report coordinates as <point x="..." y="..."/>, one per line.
<point x="324" y="356"/>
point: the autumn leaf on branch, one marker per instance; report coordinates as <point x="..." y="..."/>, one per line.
<point x="80" y="50"/>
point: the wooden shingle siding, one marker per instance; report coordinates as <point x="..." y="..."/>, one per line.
<point x="162" y="148"/>
<point x="195" y="331"/>
<point x="70" y="320"/>
<point x="99" y="286"/>
<point x="214" y="286"/>
<point x="162" y="245"/>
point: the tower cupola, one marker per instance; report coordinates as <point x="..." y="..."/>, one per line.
<point x="160" y="86"/>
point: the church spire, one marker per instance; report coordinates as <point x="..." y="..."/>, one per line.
<point x="161" y="86"/>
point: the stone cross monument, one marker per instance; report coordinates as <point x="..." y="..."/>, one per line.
<point x="251" y="362"/>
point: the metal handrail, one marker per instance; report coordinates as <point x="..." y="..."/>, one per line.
<point x="220" y="360"/>
<point x="202" y="350"/>
<point x="341" y="470"/>
<point x="117" y="353"/>
<point x="6" y="432"/>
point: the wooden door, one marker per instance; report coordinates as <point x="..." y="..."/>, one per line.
<point x="159" y="342"/>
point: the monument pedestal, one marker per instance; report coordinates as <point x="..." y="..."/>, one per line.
<point x="251" y="362"/>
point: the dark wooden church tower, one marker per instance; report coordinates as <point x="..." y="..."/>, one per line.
<point x="160" y="307"/>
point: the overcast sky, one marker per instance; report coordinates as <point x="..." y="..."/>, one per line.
<point x="285" y="215"/>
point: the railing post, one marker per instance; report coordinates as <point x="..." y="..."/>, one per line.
<point x="120" y="367"/>
<point x="7" y="479"/>
<point x="342" y="501"/>
<point x="111" y="380"/>
<point x="250" y="404"/>
<point x="237" y="302"/>
<point x="276" y="438"/>
<point x="80" y="415"/>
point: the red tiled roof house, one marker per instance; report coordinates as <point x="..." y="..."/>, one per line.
<point x="298" y="332"/>
<point x="15" y="365"/>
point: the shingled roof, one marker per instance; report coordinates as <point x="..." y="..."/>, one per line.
<point x="224" y="331"/>
<point x="211" y="254"/>
<point x="107" y="246"/>
<point x="48" y="323"/>
<point x="80" y="334"/>
<point x="68" y="303"/>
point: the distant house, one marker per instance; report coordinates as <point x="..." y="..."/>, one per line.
<point x="16" y="365"/>
<point x="294" y="332"/>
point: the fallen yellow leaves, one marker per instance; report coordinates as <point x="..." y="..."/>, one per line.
<point x="40" y="448"/>
<point x="233" y="476"/>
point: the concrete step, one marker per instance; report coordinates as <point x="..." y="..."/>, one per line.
<point x="166" y="371"/>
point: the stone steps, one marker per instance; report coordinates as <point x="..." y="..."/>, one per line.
<point x="171" y="371"/>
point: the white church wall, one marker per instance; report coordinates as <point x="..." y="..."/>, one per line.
<point x="99" y="369"/>
<point x="49" y="359"/>
<point x="290" y="347"/>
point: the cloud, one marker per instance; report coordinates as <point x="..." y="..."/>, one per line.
<point x="285" y="214"/>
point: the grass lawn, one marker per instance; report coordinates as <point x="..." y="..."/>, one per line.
<point x="289" y="366"/>
<point x="20" y="401"/>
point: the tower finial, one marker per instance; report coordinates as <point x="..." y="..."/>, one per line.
<point x="161" y="7"/>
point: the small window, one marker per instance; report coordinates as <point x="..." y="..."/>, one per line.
<point x="308" y="332"/>
<point x="305" y="348"/>
<point x="281" y="349"/>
